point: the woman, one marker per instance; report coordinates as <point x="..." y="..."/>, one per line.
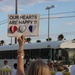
<point x="37" y="67"/>
<point x="20" y="56"/>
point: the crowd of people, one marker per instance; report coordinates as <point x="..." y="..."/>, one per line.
<point x="35" y="67"/>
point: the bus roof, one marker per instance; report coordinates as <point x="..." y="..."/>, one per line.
<point x="50" y="44"/>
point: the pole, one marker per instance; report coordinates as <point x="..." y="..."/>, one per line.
<point x="11" y="40"/>
<point x="16" y="7"/>
<point x="48" y="23"/>
<point x="16" y="13"/>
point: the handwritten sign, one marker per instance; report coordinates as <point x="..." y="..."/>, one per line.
<point x="27" y="25"/>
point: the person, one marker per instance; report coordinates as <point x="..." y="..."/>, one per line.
<point x="51" y="65"/>
<point x="6" y="66"/>
<point x="72" y="72"/>
<point x="26" y="65"/>
<point x="66" y="69"/>
<point x="56" y="56"/>
<point x="60" y="69"/>
<point x="37" y="67"/>
<point x="14" y="69"/>
<point x="20" y="56"/>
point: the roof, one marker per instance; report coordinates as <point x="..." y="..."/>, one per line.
<point x="50" y="44"/>
<point x="68" y="44"/>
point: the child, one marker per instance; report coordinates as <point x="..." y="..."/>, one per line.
<point x="60" y="68"/>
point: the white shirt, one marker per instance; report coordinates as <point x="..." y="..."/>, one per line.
<point x="14" y="71"/>
<point x="6" y="67"/>
<point x="72" y="72"/>
<point x="59" y="73"/>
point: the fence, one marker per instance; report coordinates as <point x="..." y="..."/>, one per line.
<point x="64" y="73"/>
<point x="8" y="71"/>
<point x="5" y="71"/>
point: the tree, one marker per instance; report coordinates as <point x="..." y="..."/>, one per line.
<point x="38" y="41"/>
<point x="2" y="42"/>
<point x="49" y="39"/>
<point x="60" y="37"/>
<point x="28" y="40"/>
<point x="73" y="41"/>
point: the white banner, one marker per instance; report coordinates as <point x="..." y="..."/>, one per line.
<point x="27" y="25"/>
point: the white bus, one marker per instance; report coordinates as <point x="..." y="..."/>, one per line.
<point x="43" y="50"/>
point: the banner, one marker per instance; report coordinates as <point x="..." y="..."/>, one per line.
<point x="27" y="25"/>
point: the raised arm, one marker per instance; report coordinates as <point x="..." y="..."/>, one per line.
<point x="20" y="56"/>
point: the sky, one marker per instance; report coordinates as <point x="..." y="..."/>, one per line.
<point x="62" y="18"/>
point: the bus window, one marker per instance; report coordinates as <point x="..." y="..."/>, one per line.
<point x="2" y="54"/>
<point x="27" y="53"/>
<point x="8" y="54"/>
<point x="35" y="53"/>
<point x="14" y="54"/>
<point x="45" y="53"/>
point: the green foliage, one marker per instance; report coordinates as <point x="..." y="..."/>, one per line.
<point x="28" y="40"/>
<point x="60" y="37"/>
<point x="49" y="39"/>
<point x="38" y="41"/>
<point x="2" y="42"/>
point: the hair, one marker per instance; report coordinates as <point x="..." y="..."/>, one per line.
<point x="15" y="65"/>
<point x="60" y="68"/>
<point x="5" y="62"/>
<point x="38" y="67"/>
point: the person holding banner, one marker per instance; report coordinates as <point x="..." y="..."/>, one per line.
<point x="37" y="67"/>
<point x="20" y="56"/>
